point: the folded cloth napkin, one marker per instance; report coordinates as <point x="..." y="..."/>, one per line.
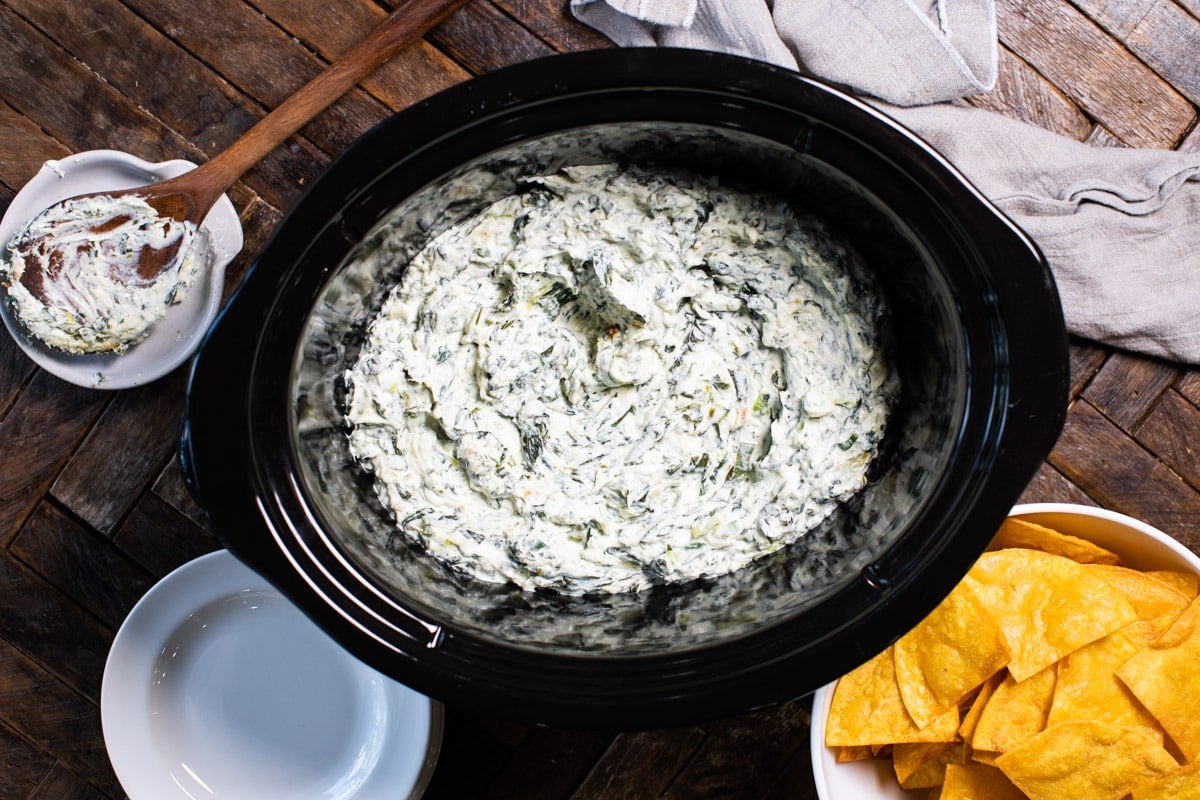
<point x="1120" y="227"/>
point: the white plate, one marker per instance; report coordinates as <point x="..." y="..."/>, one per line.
<point x="173" y="340"/>
<point x="1139" y="545"/>
<point x="218" y="687"/>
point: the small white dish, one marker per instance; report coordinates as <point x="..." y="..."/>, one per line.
<point x="1139" y="545"/>
<point x="216" y="686"/>
<point x="173" y="340"/>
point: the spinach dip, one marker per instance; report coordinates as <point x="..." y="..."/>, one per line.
<point x="619" y="378"/>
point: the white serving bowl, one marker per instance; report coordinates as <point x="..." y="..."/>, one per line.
<point x="1139" y="545"/>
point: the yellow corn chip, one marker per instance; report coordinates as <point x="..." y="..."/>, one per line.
<point x="1016" y="532"/>
<point x="1165" y="678"/>
<point x="1016" y="711"/>
<point x="1085" y="760"/>
<point x="948" y="654"/>
<point x="1088" y="687"/>
<point x="866" y="709"/>
<point x="1150" y="597"/>
<point x="908" y="758"/>
<point x="858" y="753"/>
<point x="933" y="772"/>
<point x="978" y="782"/>
<point x="1186" y="583"/>
<point x="967" y="729"/>
<point x="1047" y="605"/>
<point x="1183" y="784"/>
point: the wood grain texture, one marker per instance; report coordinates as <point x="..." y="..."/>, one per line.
<point x="81" y="565"/>
<point x="39" y="432"/>
<point x="123" y="453"/>
<point x="1126" y="387"/>
<point x="641" y="764"/>
<point x="1160" y="33"/>
<point x="160" y="538"/>
<point x="58" y="721"/>
<point x="1095" y="71"/>
<point x="1023" y="94"/>
<point x="62" y="784"/>
<point x="1122" y="475"/>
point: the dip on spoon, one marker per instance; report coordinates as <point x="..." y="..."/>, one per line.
<point x="93" y="274"/>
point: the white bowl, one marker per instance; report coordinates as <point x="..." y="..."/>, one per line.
<point x="217" y="686"/>
<point x="1139" y="545"/>
<point x="173" y="340"/>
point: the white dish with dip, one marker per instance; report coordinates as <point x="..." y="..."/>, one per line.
<point x="174" y="338"/>
<point x="217" y="686"/>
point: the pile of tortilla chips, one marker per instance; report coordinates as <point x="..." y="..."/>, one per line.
<point x="1050" y="672"/>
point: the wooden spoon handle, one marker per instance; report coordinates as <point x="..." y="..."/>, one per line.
<point x="403" y="26"/>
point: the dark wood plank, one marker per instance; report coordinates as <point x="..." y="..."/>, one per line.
<point x="128" y="445"/>
<point x="331" y="28"/>
<point x="22" y="766"/>
<point x="171" y="489"/>
<point x="1051" y="486"/>
<point x="62" y="784"/>
<point x="1172" y="432"/>
<point x="640" y="764"/>
<point x="1160" y="33"/>
<point x="795" y="780"/>
<point x="160" y="538"/>
<point x="23" y="148"/>
<point x="482" y="38"/>
<point x="81" y="565"/>
<point x="1095" y="71"/>
<point x="60" y="722"/>
<point x="1022" y="93"/>
<point x="548" y="764"/>
<point x="553" y="24"/>
<point x="1123" y="476"/>
<point x="743" y="755"/>
<point x="1127" y="386"/>
<point x="52" y="629"/>
<point x="1086" y="359"/>
<point x="1188" y="385"/>
<point x="39" y="433"/>
<point x="87" y="113"/>
<point x="158" y="74"/>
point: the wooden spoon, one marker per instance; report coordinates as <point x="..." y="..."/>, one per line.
<point x="189" y="197"/>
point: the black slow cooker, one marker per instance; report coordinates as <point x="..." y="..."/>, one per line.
<point x="977" y="334"/>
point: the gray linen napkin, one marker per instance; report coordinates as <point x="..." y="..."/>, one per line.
<point x="1120" y="227"/>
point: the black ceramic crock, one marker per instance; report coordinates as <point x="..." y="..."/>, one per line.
<point x="977" y="335"/>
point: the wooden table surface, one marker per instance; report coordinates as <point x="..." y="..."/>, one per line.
<point x="92" y="508"/>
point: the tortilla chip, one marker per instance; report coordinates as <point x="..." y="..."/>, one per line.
<point x="1088" y="760"/>
<point x="1186" y="583"/>
<point x="1182" y="784"/>
<point x="1088" y="688"/>
<point x="978" y="782"/>
<point x="1015" y="532"/>
<point x="1016" y="711"/>
<point x="908" y="759"/>
<point x="1165" y="679"/>
<point x="1150" y="597"/>
<point x="967" y="728"/>
<point x="867" y="709"/>
<point x="948" y="654"/>
<point x="845" y="755"/>
<point x="1047" y="605"/>
<point x="933" y="772"/>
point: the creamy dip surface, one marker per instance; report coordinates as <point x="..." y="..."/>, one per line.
<point x="72" y="273"/>
<point x="621" y="378"/>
